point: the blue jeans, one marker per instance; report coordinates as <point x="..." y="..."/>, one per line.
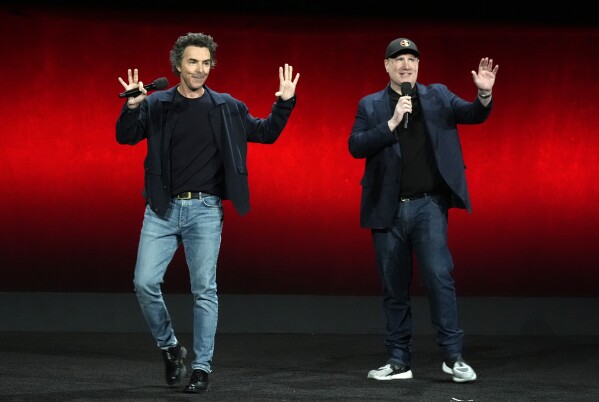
<point x="197" y="224"/>
<point x="419" y="229"/>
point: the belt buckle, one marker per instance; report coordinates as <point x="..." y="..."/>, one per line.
<point x="184" y="196"/>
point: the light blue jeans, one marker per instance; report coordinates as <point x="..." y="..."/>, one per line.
<point x="197" y="224"/>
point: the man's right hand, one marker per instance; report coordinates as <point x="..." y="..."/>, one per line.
<point x="134" y="102"/>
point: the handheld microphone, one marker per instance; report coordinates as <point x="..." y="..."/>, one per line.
<point x="159" y="83"/>
<point x="406" y="90"/>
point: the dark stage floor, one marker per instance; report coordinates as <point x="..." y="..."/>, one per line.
<point x="287" y="367"/>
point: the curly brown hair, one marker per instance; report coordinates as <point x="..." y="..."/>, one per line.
<point x="191" y="39"/>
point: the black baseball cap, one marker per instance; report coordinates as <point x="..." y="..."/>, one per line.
<point x="401" y="45"/>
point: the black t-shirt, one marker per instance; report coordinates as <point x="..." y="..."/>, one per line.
<point x="196" y="162"/>
<point x="419" y="172"/>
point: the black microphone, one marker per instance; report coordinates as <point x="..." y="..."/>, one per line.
<point x="159" y="83"/>
<point x="406" y="89"/>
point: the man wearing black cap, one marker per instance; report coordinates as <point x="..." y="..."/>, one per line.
<point x="414" y="173"/>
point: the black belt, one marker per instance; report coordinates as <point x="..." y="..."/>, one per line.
<point x="416" y="197"/>
<point x="188" y="195"/>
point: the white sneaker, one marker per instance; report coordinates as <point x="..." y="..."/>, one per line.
<point x="459" y="369"/>
<point x="391" y="372"/>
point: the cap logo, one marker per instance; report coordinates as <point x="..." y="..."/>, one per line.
<point x="405" y="43"/>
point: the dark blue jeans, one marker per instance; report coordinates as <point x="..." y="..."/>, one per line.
<point x="419" y="229"/>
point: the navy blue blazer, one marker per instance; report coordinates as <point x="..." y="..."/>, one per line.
<point x="371" y="139"/>
<point x="233" y="126"/>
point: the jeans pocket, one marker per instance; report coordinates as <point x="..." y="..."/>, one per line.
<point x="212" y="201"/>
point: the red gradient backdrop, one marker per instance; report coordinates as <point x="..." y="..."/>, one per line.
<point x="71" y="196"/>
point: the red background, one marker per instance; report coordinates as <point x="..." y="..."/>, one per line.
<point x="71" y="196"/>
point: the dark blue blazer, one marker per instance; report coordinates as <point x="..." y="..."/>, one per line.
<point x="371" y="139"/>
<point x="232" y="124"/>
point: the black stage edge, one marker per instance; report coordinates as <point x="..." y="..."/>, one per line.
<point x="304" y="314"/>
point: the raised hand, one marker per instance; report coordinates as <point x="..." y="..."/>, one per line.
<point x="485" y="77"/>
<point x="286" y="85"/>
<point x="134" y="83"/>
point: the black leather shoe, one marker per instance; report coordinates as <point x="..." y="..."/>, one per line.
<point x="198" y="382"/>
<point x="173" y="364"/>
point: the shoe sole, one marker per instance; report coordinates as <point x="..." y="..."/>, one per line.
<point x="402" y="376"/>
<point x="195" y="391"/>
